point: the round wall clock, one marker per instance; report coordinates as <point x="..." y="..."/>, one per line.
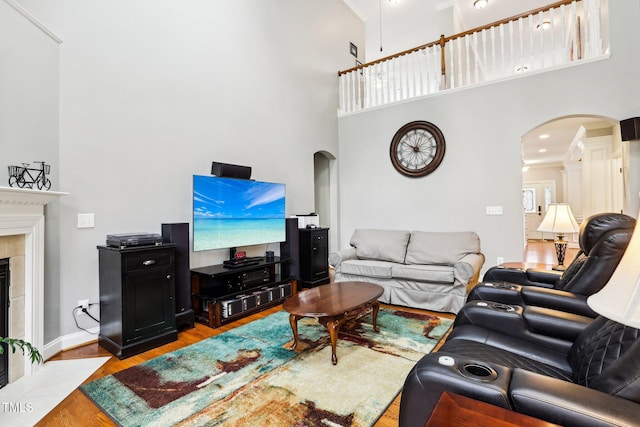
<point x="417" y="149"/>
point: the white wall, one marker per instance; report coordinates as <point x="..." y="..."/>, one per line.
<point x="483" y="127"/>
<point x="29" y="88"/>
<point x="29" y="102"/>
<point x="151" y="91"/>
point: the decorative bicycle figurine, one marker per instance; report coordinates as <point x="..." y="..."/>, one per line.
<point x="22" y="176"/>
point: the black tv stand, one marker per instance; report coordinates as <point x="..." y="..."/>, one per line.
<point x="221" y="294"/>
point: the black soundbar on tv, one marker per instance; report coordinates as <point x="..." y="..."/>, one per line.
<point x="227" y="170"/>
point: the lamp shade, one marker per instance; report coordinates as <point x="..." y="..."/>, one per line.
<point x="619" y="299"/>
<point x="559" y="219"/>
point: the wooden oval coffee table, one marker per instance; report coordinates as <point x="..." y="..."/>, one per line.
<point x="332" y="304"/>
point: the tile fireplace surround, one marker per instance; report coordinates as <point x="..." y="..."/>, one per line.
<point x="22" y="241"/>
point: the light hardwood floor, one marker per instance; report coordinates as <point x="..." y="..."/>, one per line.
<point x="544" y="252"/>
<point x="77" y="409"/>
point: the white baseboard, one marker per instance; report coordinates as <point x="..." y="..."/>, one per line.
<point x="65" y="342"/>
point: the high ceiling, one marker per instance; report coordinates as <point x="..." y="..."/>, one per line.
<point x="467" y="15"/>
<point x="403" y="24"/>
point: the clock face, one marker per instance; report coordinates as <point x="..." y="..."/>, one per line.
<point x="417" y="149"/>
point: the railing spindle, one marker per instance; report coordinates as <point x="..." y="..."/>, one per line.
<point x="407" y="85"/>
<point x="493" y="50"/>
<point x="521" y="42"/>
<point x="575" y="25"/>
<point x="420" y="67"/>
<point x="393" y="87"/>
<point x="511" y="46"/>
<point x="586" y="27"/>
<point x="376" y="84"/>
<point x="459" y="67"/>
<point x="450" y="82"/>
<point x="388" y="82"/>
<point x="467" y="61"/>
<point x="473" y="57"/>
<point x="353" y="100"/>
<point x="502" y="48"/>
<point x="417" y="78"/>
<point x="552" y="36"/>
<point x="535" y="41"/>
<point x="484" y="55"/>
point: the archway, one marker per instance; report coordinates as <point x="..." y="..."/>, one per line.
<point x="580" y="160"/>
<point x="326" y="193"/>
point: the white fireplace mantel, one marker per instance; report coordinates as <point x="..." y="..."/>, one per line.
<point x="22" y="213"/>
<point x="22" y="196"/>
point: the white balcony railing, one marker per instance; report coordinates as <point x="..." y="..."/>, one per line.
<point x="562" y="33"/>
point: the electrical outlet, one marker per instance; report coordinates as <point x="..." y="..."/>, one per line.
<point x="83" y="303"/>
<point x="500" y="260"/>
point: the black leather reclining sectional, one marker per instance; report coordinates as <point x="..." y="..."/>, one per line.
<point x="582" y="379"/>
<point x="508" y="348"/>
<point x="603" y="239"/>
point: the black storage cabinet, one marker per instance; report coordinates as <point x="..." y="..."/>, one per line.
<point x="137" y="298"/>
<point x="314" y="256"/>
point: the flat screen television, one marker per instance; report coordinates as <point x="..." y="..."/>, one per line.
<point x="230" y="212"/>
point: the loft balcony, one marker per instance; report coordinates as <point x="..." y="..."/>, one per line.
<point x="565" y="33"/>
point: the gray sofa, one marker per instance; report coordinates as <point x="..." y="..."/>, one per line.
<point x="421" y="269"/>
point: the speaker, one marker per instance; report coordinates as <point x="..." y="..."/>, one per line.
<point x="630" y="129"/>
<point x="178" y="234"/>
<point x="291" y="249"/>
<point x="230" y="171"/>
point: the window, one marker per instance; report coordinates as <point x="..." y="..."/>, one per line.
<point x="529" y="199"/>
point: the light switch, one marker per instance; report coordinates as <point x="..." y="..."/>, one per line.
<point x="86" y="220"/>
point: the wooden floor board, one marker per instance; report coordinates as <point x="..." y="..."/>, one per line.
<point x="77" y="409"/>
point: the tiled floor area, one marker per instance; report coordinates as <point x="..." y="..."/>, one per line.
<point x="25" y="401"/>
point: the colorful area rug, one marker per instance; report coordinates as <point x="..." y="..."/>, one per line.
<point x="248" y="377"/>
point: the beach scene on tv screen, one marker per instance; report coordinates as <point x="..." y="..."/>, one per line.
<point x="231" y="212"/>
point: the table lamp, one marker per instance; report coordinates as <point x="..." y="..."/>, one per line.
<point x="619" y="299"/>
<point x="559" y="220"/>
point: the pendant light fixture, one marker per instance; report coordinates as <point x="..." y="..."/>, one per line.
<point x="380" y="9"/>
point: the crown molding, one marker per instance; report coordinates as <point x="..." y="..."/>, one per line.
<point x="35" y="21"/>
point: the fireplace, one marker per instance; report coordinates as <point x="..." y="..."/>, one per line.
<point x="22" y="225"/>
<point x="4" y="319"/>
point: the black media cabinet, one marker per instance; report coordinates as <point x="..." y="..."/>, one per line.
<point x="137" y="292"/>
<point x="314" y="257"/>
<point x="220" y="295"/>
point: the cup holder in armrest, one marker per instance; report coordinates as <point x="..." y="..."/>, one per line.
<point x="477" y="372"/>
<point x="501" y="307"/>
<point x="500" y="285"/>
<point x="497" y="306"/>
<point x="504" y="285"/>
